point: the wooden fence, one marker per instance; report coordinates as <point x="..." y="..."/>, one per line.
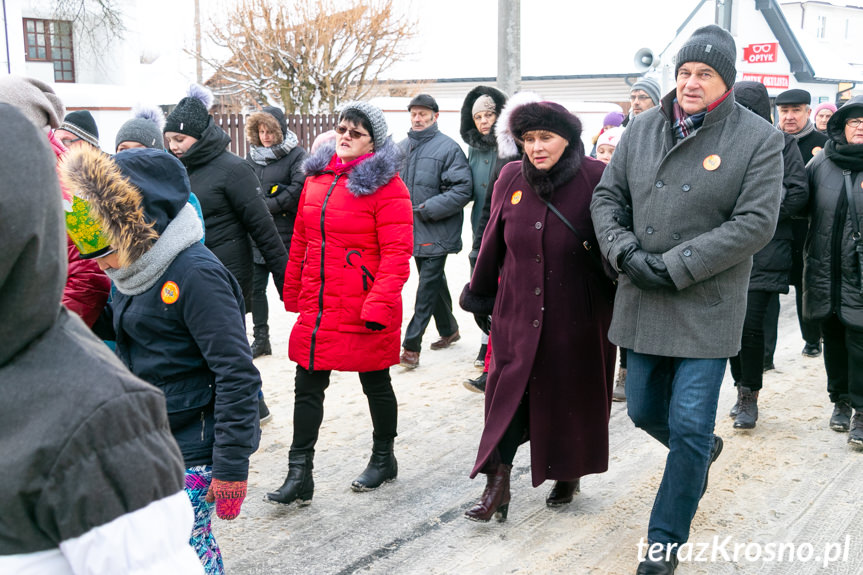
<point x="306" y="127"/>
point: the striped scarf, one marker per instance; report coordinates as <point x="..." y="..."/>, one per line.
<point x="685" y="124"/>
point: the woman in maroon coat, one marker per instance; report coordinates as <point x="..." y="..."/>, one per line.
<point x="350" y="257"/>
<point x="552" y="365"/>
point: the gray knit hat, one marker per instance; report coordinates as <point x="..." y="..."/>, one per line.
<point x="375" y="117"/>
<point x="713" y="46"/>
<point x="33" y="98"/>
<point x="651" y="87"/>
<point x="82" y="124"/>
<point x="145" y="128"/>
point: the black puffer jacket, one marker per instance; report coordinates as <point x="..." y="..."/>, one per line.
<point x="832" y="272"/>
<point x="771" y="266"/>
<point x="233" y="208"/>
<point x="438" y="176"/>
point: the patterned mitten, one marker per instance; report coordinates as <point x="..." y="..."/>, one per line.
<point x="228" y="495"/>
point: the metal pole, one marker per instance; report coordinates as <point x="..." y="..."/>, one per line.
<point x="199" y="70"/>
<point x="6" y="36"/>
<point x="509" y="46"/>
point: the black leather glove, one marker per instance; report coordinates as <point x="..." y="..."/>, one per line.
<point x="375" y="326"/>
<point x="646" y="270"/>
<point x="483" y="321"/>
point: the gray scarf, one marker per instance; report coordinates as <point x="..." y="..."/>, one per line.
<point x="807" y="129"/>
<point x="182" y="232"/>
<point x="266" y="155"/>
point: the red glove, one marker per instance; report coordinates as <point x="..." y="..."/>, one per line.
<point x="228" y="495"/>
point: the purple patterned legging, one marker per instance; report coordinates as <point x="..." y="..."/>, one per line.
<point x="197" y="482"/>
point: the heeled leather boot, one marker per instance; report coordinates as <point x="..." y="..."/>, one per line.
<point x="562" y="492"/>
<point x="299" y="485"/>
<point x="495" y="499"/>
<point x="382" y="467"/>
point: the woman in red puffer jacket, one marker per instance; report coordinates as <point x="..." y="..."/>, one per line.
<point x="349" y="259"/>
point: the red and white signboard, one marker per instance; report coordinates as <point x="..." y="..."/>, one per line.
<point x="769" y="80"/>
<point x="761" y="53"/>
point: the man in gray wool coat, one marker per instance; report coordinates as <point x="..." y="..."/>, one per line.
<point x="692" y="192"/>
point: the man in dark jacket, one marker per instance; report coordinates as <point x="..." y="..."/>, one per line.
<point x="438" y="176"/>
<point x="92" y="479"/>
<point x="770" y="266"/>
<point x="277" y="159"/>
<point x="702" y="176"/>
<point x="793" y="118"/>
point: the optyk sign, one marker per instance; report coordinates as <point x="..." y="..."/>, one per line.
<point x="760" y="53"/>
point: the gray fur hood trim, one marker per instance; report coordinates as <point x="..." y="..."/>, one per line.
<point x="507" y="146"/>
<point x="366" y="177"/>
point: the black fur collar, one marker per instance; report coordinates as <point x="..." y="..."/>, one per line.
<point x="545" y="182"/>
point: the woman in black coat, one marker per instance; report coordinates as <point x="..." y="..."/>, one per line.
<point x="833" y="272"/>
<point x="770" y="266"/>
<point x="277" y="160"/>
<point x="228" y="190"/>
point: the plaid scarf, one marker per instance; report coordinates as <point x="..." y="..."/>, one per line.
<point x="685" y="124"/>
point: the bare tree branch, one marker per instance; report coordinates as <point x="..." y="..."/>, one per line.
<point x="308" y="55"/>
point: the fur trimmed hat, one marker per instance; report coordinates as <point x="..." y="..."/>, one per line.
<point x="507" y="142"/>
<point x="145" y="128"/>
<point x="35" y="99"/>
<point x="191" y="116"/>
<point x="714" y="46"/>
<point x="82" y="124"/>
<point x="548" y="116"/>
<point x="106" y="212"/>
<point x="267" y="119"/>
<point x="467" y="127"/>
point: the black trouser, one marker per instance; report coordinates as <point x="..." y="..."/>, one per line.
<point x="747" y="367"/>
<point x="843" y="361"/>
<point x="433" y="300"/>
<point x="515" y="433"/>
<point x="810" y="330"/>
<point x="622" y="357"/>
<point x="260" y="308"/>
<point x="309" y="387"/>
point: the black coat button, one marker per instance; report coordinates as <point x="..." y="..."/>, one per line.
<point x="538" y="225"/>
<point x="685" y="187"/>
<point x="659" y="184"/>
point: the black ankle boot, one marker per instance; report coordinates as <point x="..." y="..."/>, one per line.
<point x="299" y="485"/>
<point x="261" y="347"/>
<point x="382" y="467"/>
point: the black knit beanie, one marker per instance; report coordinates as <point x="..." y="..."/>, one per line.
<point x="191" y="115"/>
<point x="82" y="124"/>
<point x="714" y="46"/>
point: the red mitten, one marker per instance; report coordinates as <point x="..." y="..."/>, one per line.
<point x="228" y="495"/>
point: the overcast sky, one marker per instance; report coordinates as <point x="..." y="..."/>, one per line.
<point x="458" y="38"/>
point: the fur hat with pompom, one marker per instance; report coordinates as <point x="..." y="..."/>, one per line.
<point x="191" y="116"/>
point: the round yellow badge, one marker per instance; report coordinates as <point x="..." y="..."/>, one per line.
<point x="815" y="150"/>
<point x="170" y="292"/>
<point x="711" y="162"/>
<point x="516" y="197"/>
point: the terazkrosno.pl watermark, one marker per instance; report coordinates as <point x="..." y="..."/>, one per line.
<point x="728" y="550"/>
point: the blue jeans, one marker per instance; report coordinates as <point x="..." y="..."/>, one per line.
<point x="674" y="400"/>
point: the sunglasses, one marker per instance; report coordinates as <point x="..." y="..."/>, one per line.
<point x="355" y="134"/>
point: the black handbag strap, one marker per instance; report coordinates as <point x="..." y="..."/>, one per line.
<point x="592" y="254"/>
<point x="565" y="221"/>
<point x="855" y="224"/>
